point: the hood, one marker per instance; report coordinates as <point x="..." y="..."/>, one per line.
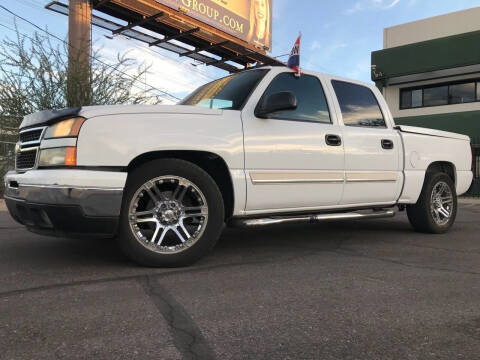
<point x="48" y="117"/>
<point x="93" y="111"/>
<point x="432" y="132"/>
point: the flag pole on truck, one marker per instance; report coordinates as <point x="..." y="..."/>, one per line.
<point x="294" y="59"/>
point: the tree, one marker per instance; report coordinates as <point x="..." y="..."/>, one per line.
<point x="33" y="77"/>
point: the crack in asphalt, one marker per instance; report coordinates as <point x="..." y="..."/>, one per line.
<point x="186" y="335"/>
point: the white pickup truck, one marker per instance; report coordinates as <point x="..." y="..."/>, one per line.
<point x="255" y="148"/>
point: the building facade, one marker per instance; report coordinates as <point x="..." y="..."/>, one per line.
<point x="429" y="72"/>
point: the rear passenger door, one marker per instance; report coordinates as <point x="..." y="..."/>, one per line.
<point x="373" y="166"/>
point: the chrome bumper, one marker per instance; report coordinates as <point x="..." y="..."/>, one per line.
<point x="69" y="187"/>
<point x="65" y="210"/>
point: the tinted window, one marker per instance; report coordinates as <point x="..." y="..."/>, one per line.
<point x="411" y="99"/>
<point x="311" y="101"/>
<point x="435" y="96"/>
<point x="358" y="104"/>
<point x="406" y="99"/>
<point x="417" y="98"/>
<point x="230" y="92"/>
<point x="462" y="93"/>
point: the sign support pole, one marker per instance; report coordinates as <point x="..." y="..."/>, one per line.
<point x="79" y="50"/>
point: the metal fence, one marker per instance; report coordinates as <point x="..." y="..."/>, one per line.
<point x="7" y="150"/>
<point x="8" y="138"/>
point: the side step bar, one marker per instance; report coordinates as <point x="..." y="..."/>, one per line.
<point x="275" y="220"/>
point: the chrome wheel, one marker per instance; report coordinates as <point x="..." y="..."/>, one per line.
<point x="168" y="214"/>
<point x="441" y="203"/>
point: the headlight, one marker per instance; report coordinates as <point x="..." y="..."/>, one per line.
<point x="66" y="128"/>
<point x="62" y="156"/>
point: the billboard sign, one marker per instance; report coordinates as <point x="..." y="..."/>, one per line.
<point x="248" y="20"/>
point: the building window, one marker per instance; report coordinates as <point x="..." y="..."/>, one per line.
<point x="462" y="93"/>
<point x="417" y="98"/>
<point x="441" y="94"/>
<point x="435" y="96"/>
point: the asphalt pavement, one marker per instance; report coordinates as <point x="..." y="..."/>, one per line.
<point x="369" y="289"/>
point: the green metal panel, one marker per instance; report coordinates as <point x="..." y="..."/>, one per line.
<point x="467" y="123"/>
<point x="432" y="55"/>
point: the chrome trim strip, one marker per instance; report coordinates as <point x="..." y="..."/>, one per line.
<point x="93" y="202"/>
<point x="371" y="176"/>
<point x="33" y="129"/>
<point x="296" y="177"/>
<point x="332" y="177"/>
<point x="37" y="149"/>
<point x="368" y="180"/>
<point x="71" y="187"/>
<point x="297" y="181"/>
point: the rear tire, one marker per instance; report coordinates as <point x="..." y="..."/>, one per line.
<point x="436" y="208"/>
<point x="172" y="214"/>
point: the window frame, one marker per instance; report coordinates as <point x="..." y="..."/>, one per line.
<point x="376" y="100"/>
<point x="475" y="81"/>
<point x="297" y="120"/>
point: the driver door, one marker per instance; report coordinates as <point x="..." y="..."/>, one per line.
<point x="294" y="159"/>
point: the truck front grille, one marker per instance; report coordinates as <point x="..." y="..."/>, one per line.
<point x="26" y="159"/>
<point x="30" y="136"/>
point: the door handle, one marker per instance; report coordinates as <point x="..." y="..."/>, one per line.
<point x="333" y="140"/>
<point x="387" y="144"/>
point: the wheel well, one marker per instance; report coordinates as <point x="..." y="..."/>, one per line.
<point x="213" y="164"/>
<point x="445" y="167"/>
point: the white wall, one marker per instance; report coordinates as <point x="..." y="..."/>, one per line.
<point x="432" y="28"/>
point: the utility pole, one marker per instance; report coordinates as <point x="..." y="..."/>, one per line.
<point x="79" y="49"/>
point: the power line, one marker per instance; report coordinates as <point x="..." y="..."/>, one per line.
<point x="94" y="58"/>
<point x="103" y="31"/>
<point x="32" y="39"/>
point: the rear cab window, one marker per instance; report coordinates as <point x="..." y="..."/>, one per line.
<point x="359" y="105"/>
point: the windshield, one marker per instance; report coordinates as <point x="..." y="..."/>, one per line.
<point x="230" y="92"/>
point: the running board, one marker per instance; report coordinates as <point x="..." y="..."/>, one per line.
<point x="275" y="220"/>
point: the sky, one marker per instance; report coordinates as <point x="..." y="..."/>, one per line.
<point x="337" y="36"/>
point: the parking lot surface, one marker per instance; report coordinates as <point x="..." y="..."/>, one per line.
<point x="343" y="290"/>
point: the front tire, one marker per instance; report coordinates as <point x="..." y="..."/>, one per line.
<point x="172" y="214"/>
<point x="436" y="208"/>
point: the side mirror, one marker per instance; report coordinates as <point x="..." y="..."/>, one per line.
<point x="280" y="101"/>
